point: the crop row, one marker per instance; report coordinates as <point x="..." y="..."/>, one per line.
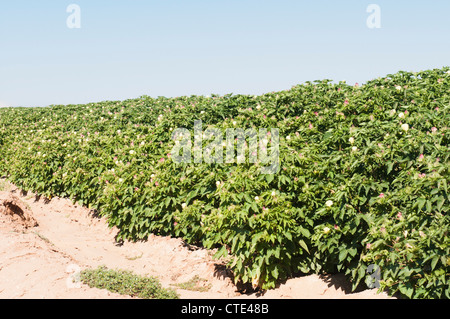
<point x="363" y="179"/>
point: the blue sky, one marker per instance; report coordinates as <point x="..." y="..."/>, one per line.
<point x="125" y="49"/>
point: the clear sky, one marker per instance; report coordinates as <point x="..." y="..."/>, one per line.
<point x="125" y="49"/>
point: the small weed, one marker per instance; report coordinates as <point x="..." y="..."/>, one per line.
<point x="43" y="238"/>
<point x="195" y="284"/>
<point x="135" y="257"/>
<point x="126" y="283"/>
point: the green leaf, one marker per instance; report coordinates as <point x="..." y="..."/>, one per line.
<point x="342" y="255"/>
<point x="305" y="232"/>
<point x="406" y="289"/>
<point x="275" y="272"/>
<point x="420" y="203"/>
<point x="428" y="206"/>
<point x="269" y="178"/>
<point x="389" y="167"/>
<point x="434" y="262"/>
<point x="222" y="252"/>
<point x="303" y="245"/>
<point x="288" y="235"/>
<point x="352" y="251"/>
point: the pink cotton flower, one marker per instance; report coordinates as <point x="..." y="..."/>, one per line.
<point x="381" y="195"/>
<point x="434" y="129"/>
<point x="346" y="102"/>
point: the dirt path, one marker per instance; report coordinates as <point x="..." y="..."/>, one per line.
<point x="38" y="262"/>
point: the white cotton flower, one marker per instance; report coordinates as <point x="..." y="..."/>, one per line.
<point x="405" y="127"/>
<point x="131" y="152"/>
<point x="152" y="176"/>
<point x="120" y="180"/>
<point x="202" y="112"/>
<point x="288" y="137"/>
<point x="329" y="203"/>
<point x="351" y="140"/>
<point x="217" y="183"/>
<point x="234" y="122"/>
<point x="183" y="205"/>
<point x="326" y="230"/>
<point x="256" y="198"/>
<point x="273" y="193"/>
<point x="401" y="115"/>
<point x="398" y="87"/>
<point x="354" y="148"/>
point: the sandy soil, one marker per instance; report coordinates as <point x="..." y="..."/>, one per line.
<point x="42" y="248"/>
